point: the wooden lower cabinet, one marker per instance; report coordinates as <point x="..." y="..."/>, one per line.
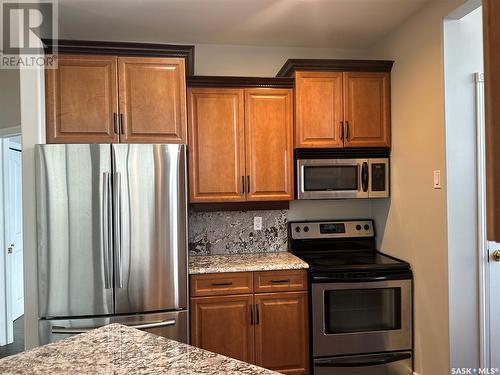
<point x="281" y="338"/>
<point x="222" y="325"/>
<point x="266" y="329"/>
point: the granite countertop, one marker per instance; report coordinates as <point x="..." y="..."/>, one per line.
<point x="284" y="260"/>
<point x="117" y="349"/>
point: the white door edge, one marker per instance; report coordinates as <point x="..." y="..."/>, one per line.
<point x="483" y="245"/>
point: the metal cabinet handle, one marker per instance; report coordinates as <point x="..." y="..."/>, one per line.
<point x="242" y="184"/>
<point x="251" y="315"/>
<point x="280" y="281"/>
<point x="342" y="130"/>
<point x="248" y="183"/>
<point x="496" y="255"/>
<point x="121" y="124"/>
<point x="115" y="123"/>
<point x="347" y="130"/>
<point x="257" y="319"/>
<point x="222" y="284"/>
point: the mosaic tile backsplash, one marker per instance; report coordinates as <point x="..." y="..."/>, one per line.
<point x="231" y="232"/>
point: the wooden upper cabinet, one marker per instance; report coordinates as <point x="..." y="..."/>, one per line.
<point x="318" y="109"/>
<point x="269" y="144"/>
<point x="223" y="325"/>
<point x="281" y="334"/>
<point x="367" y="109"/>
<point x="216" y="145"/>
<point x="152" y="100"/>
<point x="81" y="100"/>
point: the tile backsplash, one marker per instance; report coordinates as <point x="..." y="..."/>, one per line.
<point x="232" y="232"/>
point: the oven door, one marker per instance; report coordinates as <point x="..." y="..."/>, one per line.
<point x="395" y="363"/>
<point x="361" y="317"/>
<point x="332" y="178"/>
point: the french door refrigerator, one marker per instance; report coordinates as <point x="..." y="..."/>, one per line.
<point x="112" y="238"/>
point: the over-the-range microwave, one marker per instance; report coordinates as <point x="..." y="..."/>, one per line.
<point x="342" y="173"/>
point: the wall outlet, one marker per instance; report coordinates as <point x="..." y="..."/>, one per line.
<point x="437" y="179"/>
<point x="257" y="223"/>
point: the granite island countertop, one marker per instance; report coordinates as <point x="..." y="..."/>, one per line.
<point x="117" y="349"/>
<point x="199" y="264"/>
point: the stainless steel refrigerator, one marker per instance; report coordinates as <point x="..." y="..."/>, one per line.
<point x="112" y="238"/>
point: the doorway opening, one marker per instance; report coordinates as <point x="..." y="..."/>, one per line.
<point x="11" y="258"/>
<point x="465" y="174"/>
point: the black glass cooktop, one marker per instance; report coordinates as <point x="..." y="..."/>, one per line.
<point x="351" y="260"/>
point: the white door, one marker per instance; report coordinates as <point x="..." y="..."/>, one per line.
<point x="14" y="230"/>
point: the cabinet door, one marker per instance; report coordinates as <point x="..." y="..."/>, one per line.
<point x="269" y="144"/>
<point x="216" y="145"/>
<point x="318" y="109"/>
<point x="367" y="109"/>
<point x="81" y="100"/>
<point x="152" y="100"/>
<point x="223" y="325"/>
<point x="281" y="335"/>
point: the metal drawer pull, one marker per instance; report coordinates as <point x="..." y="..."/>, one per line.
<point x="77" y="330"/>
<point x="222" y="284"/>
<point x="152" y="325"/>
<point x="280" y="281"/>
<point x="257" y="319"/>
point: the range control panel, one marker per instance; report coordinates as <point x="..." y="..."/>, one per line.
<point x="332" y="229"/>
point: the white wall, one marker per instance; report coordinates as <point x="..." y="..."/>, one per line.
<point x="415" y="218"/>
<point x="463" y="57"/>
<point x="10" y="111"/>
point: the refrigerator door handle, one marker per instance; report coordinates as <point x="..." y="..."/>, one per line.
<point x="106" y="240"/>
<point x="77" y="330"/>
<point x="118" y="227"/>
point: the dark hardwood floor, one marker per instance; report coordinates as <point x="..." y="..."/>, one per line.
<point x="18" y="345"/>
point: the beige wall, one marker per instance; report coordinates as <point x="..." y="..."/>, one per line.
<point x="415" y="218"/>
<point x="10" y="110"/>
<point x="212" y="59"/>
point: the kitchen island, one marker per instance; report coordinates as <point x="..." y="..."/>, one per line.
<point x="117" y="349"/>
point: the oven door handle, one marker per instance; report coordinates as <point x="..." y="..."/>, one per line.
<point x="402" y="276"/>
<point x="369" y="360"/>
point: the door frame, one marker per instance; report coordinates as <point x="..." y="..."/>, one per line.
<point x="483" y="245"/>
<point x="6" y="323"/>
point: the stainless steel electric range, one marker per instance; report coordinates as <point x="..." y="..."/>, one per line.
<point x="361" y="300"/>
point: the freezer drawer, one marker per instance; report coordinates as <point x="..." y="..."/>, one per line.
<point x="390" y="363"/>
<point x="173" y="325"/>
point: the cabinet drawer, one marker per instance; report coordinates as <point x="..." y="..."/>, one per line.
<point x="280" y="281"/>
<point x="216" y="284"/>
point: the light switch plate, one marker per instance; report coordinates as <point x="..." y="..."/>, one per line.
<point x="437" y="179"/>
<point x="257" y="223"/>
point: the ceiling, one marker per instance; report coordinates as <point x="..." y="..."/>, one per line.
<point x="298" y="23"/>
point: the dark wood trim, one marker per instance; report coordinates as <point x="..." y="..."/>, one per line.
<point x="240" y="206"/>
<point x="335" y="65"/>
<point x="123" y="49"/>
<point x="222" y="81"/>
<point x="491" y="30"/>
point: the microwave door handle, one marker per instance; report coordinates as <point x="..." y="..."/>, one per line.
<point x="364" y="176"/>
<point x="382" y="359"/>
